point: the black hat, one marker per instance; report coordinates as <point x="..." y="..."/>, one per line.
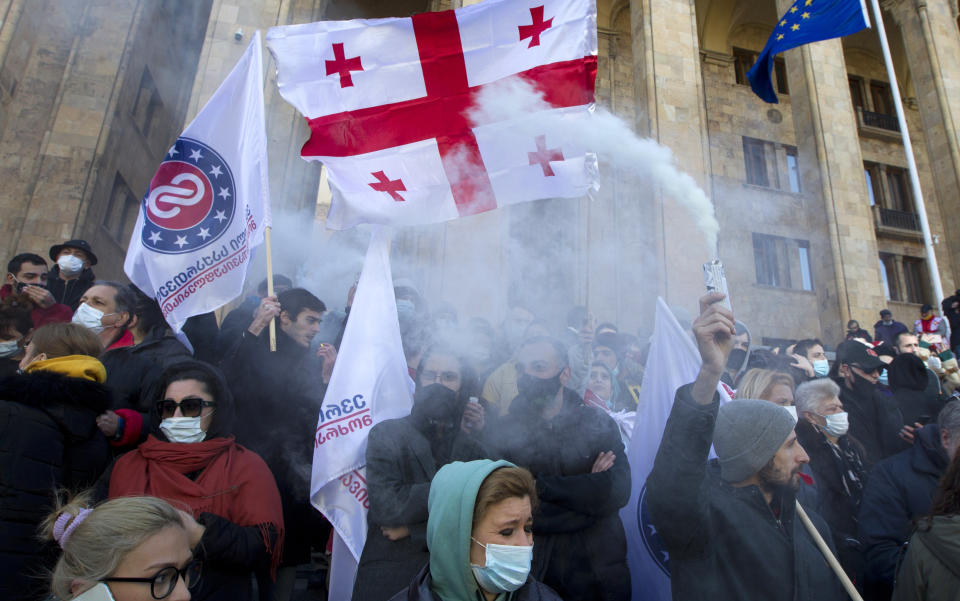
<point x="885" y="312"/>
<point x="926" y="308"/>
<point x="856" y="353"/>
<point x="78" y="244"/>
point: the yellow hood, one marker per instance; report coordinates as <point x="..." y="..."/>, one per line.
<point x="75" y="366"/>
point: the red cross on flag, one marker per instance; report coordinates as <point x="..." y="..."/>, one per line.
<point x="391" y="107"/>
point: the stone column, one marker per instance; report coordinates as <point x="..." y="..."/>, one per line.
<point x="932" y="45"/>
<point x="832" y="171"/>
<point x="671" y="109"/>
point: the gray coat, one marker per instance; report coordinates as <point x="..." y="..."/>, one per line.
<point x="400" y="466"/>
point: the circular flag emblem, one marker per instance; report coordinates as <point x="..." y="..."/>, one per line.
<point x="190" y="202"/>
<point x="648" y="532"/>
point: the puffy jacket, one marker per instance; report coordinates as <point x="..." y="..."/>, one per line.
<point x="48" y="440"/>
<point x="580" y="548"/>
<point x="931" y="568"/>
<point x="419" y="590"/>
<point x="898" y="490"/>
<point x="726" y="542"/>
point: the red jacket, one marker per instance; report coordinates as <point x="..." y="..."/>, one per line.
<point x="55" y="313"/>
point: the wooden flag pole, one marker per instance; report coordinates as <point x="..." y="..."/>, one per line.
<point x="273" y="322"/>
<point x="828" y="554"/>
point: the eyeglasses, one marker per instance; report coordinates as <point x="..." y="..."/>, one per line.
<point x="444" y="377"/>
<point x="164" y="581"/>
<point x="189" y="407"/>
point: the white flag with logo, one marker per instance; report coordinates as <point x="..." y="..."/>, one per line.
<point x="208" y="203"/>
<point x="391" y="104"/>
<point x="673" y="361"/>
<point x="370" y="383"/>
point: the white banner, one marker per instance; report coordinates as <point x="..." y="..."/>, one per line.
<point x="673" y="361"/>
<point x="369" y="384"/>
<point x="208" y="203"/>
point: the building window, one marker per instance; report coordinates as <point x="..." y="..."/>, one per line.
<point x="899" y="198"/>
<point x="743" y="61"/>
<point x="856" y="91"/>
<point x="782" y="262"/>
<point x="873" y="183"/>
<point x="121" y="214"/>
<point x="881" y="97"/>
<point x="754" y="156"/>
<point x="888" y="274"/>
<point x="914" y="279"/>
<point x="793" y="169"/>
<point x="146" y="104"/>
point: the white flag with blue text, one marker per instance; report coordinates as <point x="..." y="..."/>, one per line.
<point x="208" y="203"/>
<point x="673" y="361"/>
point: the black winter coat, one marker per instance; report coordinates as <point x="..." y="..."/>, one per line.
<point x="68" y="292"/>
<point x="726" y="543"/>
<point x="875" y="422"/>
<point x="132" y="370"/>
<point x="910" y="383"/>
<point x="579" y="543"/>
<point x="898" y="490"/>
<point x="419" y="590"/>
<point x="278" y="397"/>
<point x="400" y="467"/>
<point x="48" y="439"/>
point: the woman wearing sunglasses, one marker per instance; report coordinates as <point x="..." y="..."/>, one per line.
<point x="234" y="519"/>
<point x="132" y="549"/>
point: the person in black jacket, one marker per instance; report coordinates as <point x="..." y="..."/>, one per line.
<point x="836" y="459"/>
<point x="583" y="479"/>
<point x="72" y="275"/>
<point x="899" y="490"/>
<point x="730" y="526"/>
<point x="402" y="457"/>
<point x="48" y="440"/>
<point x="909" y="383"/>
<point x="875" y="420"/>
<point x="240" y="318"/>
<point x="278" y="396"/>
<point x="951" y="310"/>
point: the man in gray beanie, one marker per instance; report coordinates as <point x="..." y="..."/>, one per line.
<point x="730" y="525"/>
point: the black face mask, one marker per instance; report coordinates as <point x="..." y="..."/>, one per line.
<point x="538" y="391"/>
<point x="863" y="387"/>
<point x="736" y="359"/>
<point x="436" y="412"/>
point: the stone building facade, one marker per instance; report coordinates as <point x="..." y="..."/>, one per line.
<point x="818" y="224"/>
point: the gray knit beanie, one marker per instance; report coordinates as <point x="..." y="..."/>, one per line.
<point x="747" y="435"/>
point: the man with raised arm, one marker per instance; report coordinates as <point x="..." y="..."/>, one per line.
<point x="730" y="525"/>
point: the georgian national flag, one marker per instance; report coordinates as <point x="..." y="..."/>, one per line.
<point x="389" y="103"/>
<point x="208" y="203"/>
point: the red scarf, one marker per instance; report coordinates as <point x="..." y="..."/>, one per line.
<point x="234" y="483"/>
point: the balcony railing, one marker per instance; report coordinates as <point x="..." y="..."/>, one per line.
<point x="899" y="219"/>
<point x="888" y="122"/>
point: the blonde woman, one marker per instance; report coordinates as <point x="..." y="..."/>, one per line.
<point x="136" y="547"/>
<point x="768" y="385"/>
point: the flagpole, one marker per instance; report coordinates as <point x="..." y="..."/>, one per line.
<point x="911" y="163"/>
<point x="273" y="320"/>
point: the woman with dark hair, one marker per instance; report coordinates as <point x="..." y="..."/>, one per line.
<point x="402" y="457"/>
<point x="48" y="439"/>
<point x="191" y="460"/>
<point x="440" y="364"/>
<point x="931" y="567"/>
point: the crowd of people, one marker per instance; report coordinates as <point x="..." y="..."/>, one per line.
<point x="177" y="467"/>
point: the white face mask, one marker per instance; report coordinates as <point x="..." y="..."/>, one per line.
<point x="183" y="429"/>
<point x="792" y="410"/>
<point x="506" y="569"/>
<point x="837" y="424"/>
<point x="9" y="348"/>
<point x="89" y="318"/>
<point x="70" y="265"/>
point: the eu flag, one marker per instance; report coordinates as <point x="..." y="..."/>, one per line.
<point x="805" y="22"/>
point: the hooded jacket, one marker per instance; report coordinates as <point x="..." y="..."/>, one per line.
<point x="727" y="542"/>
<point x="898" y="490"/>
<point x="48" y="440"/>
<point x="931" y="568"/>
<point x="909" y="383"/>
<point x="875" y="421"/>
<point x="448" y="577"/>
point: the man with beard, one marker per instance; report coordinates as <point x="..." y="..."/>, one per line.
<point x="875" y="419"/>
<point x="730" y="525"/>
<point x="583" y="479"/>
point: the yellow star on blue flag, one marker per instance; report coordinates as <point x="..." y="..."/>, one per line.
<point x="819" y="20"/>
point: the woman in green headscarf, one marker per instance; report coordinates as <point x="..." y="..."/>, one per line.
<point x="480" y="536"/>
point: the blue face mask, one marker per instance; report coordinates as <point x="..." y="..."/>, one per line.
<point x="821" y="367"/>
<point x="883" y="378"/>
<point x="507" y="568"/>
